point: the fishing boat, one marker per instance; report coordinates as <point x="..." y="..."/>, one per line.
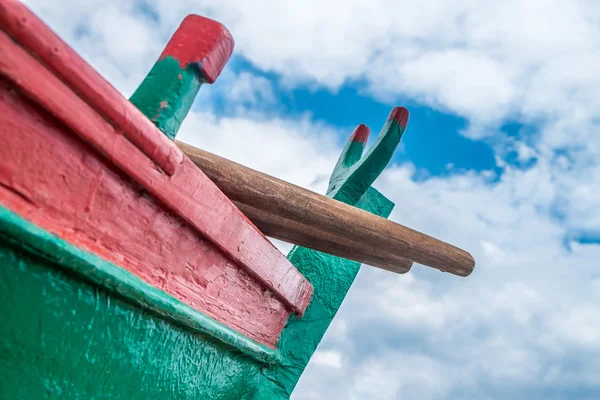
<point x="134" y="266"/>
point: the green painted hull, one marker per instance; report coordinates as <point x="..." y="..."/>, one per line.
<point x="63" y="336"/>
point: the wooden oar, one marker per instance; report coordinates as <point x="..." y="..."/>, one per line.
<point x="291" y="231"/>
<point x="297" y="215"/>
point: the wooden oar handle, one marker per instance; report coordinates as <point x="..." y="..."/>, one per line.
<point x="332" y="218"/>
<point x="312" y="237"/>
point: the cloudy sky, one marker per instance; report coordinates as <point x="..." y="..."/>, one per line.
<point x="501" y="157"/>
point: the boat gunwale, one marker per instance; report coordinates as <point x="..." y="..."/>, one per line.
<point x="90" y="267"/>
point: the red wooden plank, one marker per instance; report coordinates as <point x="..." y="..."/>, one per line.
<point x="55" y="180"/>
<point x="37" y="38"/>
<point x="188" y="192"/>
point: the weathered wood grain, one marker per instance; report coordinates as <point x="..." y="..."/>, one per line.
<point x="321" y="221"/>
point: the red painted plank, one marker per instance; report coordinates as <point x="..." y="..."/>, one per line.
<point x="189" y="193"/>
<point x="17" y="21"/>
<point x="53" y="179"/>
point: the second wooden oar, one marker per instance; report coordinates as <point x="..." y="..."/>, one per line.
<point x="296" y="215"/>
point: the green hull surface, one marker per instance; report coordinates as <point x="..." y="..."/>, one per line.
<point x="65" y="336"/>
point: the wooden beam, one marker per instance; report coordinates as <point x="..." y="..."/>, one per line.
<point x="278" y="227"/>
<point x="297" y="215"/>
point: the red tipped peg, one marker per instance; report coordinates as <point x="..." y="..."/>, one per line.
<point x="400" y="115"/>
<point x="361" y="134"/>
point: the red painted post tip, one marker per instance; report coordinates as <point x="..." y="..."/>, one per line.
<point x="400" y="115"/>
<point x="202" y="41"/>
<point x="361" y="134"/>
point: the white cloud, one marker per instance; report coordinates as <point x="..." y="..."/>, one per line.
<point x="331" y="359"/>
<point x="482" y="60"/>
<point x="251" y="89"/>
<point x="523" y="324"/>
<point x="298" y="151"/>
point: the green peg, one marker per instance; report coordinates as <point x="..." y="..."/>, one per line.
<point x="196" y="54"/>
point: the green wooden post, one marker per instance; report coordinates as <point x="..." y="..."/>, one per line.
<point x="195" y="55"/>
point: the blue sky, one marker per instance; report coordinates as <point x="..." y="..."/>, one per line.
<point x="434" y="141"/>
<point x="501" y="157"/>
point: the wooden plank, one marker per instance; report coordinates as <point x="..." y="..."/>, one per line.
<point x="319" y="220"/>
<point x="188" y="193"/>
